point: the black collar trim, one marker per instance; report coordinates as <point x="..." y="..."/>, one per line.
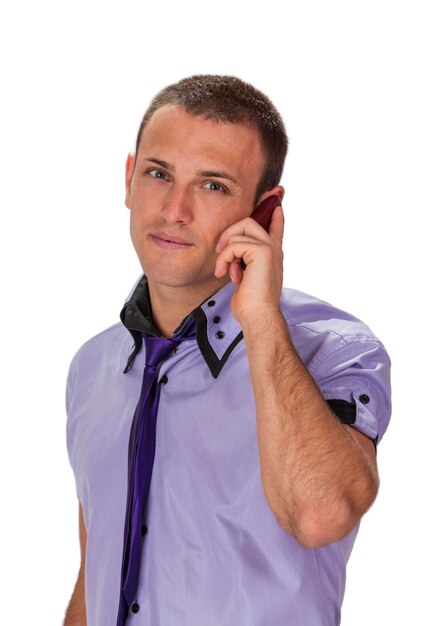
<point x="214" y="363"/>
<point x="136" y="316"/>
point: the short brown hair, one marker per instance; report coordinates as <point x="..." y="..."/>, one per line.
<point x="230" y="99"/>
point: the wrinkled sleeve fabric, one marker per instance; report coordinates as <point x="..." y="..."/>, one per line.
<point x="70" y="430"/>
<point x="357" y="372"/>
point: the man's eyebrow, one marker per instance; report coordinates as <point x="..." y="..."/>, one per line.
<point x="164" y="164"/>
<point x="211" y="174"/>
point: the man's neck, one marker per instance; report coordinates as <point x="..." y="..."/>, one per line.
<point x="170" y="305"/>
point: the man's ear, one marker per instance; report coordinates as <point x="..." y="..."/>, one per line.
<point x="129" y="171"/>
<point x="276" y="191"/>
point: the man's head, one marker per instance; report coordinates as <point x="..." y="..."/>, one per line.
<point x="229" y="99"/>
<point x="204" y="159"/>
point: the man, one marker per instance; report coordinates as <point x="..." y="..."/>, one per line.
<point x="241" y="505"/>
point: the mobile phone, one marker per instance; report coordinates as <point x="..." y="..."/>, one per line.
<point x="263" y="212"/>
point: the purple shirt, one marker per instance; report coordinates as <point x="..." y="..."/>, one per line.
<point x="213" y="553"/>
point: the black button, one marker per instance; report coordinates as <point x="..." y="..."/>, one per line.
<point x="163" y="380"/>
<point x="216" y="319"/>
<point x="211" y="302"/>
<point x="364" y="398"/>
<point x="135" y="608"/>
<point x="220" y="334"/>
<point x="144" y="530"/>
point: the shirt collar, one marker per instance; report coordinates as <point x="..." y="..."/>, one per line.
<point x="217" y="331"/>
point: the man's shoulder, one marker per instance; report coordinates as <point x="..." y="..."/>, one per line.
<point x="103" y="343"/>
<point x="317" y="316"/>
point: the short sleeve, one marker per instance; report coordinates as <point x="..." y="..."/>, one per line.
<point x="358" y="373"/>
<point x="70" y="430"/>
<point x="69" y="386"/>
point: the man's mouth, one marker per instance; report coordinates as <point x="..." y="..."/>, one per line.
<point x="164" y="240"/>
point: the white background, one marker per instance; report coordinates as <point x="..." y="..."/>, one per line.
<point x="360" y="87"/>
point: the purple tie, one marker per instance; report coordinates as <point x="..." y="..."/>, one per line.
<point x="142" y="448"/>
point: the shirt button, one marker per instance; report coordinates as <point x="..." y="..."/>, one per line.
<point x="144" y="530"/>
<point x="220" y="334"/>
<point x="216" y="320"/>
<point x="364" y="398"/>
<point x="135" y="608"/>
<point x="163" y="380"/>
<point x="211" y="302"/>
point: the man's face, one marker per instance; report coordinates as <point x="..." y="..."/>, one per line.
<point x="191" y="180"/>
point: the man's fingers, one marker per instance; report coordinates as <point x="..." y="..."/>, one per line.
<point x="235" y="272"/>
<point x="248" y="227"/>
<point x="233" y="252"/>
<point x="276" y="230"/>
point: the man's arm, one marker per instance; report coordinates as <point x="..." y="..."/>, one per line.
<point x="76" y="611"/>
<point x="319" y="476"/>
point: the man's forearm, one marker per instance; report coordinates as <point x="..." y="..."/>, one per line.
<point x="316" y="476"/>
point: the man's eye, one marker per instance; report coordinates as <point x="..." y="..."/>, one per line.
<point x="157" y="174"/>
<point x="215" y="187"/>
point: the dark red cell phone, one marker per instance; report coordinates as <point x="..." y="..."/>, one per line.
<point x="263" y="212"/>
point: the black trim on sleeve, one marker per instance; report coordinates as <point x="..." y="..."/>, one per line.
<point x="346" y="411"/>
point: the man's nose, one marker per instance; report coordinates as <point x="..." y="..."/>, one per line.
<point x="177" y="204"/>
